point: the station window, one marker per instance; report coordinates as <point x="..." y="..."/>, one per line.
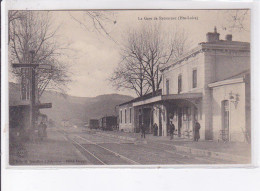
<point x="167" y="86"/>
<point x="121" y="116"/>
<point x="194" y="78"/>
<point x="130" y="115"/>
<point x="179" y="83"/>
<point x="125" y="115"/>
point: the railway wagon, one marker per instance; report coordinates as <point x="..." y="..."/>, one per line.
<point x="93" y="123"/>
<point x="100" y="121"/>
<point x="108" y="123"/>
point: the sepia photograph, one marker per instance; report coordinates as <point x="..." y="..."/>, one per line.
<point x="125" y="87"/>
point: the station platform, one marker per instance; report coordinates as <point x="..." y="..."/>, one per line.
<point x="225" y="150"/>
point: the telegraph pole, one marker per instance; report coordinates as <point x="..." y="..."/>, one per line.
<point x="33" y="93"/>
<point x="33" y="88"/>
<point x="34" y="106"/>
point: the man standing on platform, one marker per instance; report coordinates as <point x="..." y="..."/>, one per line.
<point x="143" y="131"/>
<point x="155" y="129"/>
<point x="172" y="129"/>
<point x="197" y="131"/>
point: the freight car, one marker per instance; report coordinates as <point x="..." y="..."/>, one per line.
<point x="108" y="123"/>
<point x="93" y="123"/>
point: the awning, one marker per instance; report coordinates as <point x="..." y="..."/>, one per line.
<point x="182" y="96"/>
<point x="226" y="82"/>
<point x="168" y="97"/>
<point x="148" y="101"/>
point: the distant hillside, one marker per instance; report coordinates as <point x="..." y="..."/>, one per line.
<point x="104" y="105"/>
<point x="74" y="109"/>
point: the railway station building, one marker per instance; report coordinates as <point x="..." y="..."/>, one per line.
<point x="209" y="84"/>
<point x="131" y="116"/>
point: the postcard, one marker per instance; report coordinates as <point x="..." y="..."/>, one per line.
<point x="125" y="87"/>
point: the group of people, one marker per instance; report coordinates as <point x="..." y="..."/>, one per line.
<point x="171" y="130"/>
<point x="196" y="131"/>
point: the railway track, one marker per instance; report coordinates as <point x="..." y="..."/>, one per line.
<point x="115" y="153"/>
<point x="176" y="161"/>
<point x="101" y="154"/>
<point x="147" y="152"/>
<point x="114" y="156"/>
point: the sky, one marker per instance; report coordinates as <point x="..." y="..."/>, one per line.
<point x="95" y="55"/>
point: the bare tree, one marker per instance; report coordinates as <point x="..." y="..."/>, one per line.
<point x="97" y="21"/>
<point x="13" y="16"/>
<point x="236" y="20"/>
<point x="32" y="31"/>
<point x="130" y="75"/>
<point x="150" y="47"/>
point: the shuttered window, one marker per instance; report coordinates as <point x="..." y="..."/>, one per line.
<point x="125" y="115"/>
<point x="194" y="78"/>
<point x="130" y="115"/>
<point x="167" y="87"/>
<point x="179" y="84"/>
<point x="121" y="116"/>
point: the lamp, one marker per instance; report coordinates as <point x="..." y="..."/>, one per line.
<point x="234" y="98"/>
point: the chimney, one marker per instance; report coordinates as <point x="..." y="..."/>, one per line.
<point x="229" y="37"/>
<point x="213" y="36"/>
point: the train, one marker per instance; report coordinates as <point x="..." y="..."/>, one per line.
<point x="108" y="123"/>
<point x="93" y="124"/>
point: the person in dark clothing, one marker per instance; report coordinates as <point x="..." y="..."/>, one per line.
<point x="143" y="131"/>
<point x="155" y="129"/>
<point x="197" y="131"/>
<point x="172" y="129"/>
<point x="42" y="130"/>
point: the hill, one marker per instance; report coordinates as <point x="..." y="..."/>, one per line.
<point x="72" y="108"/>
